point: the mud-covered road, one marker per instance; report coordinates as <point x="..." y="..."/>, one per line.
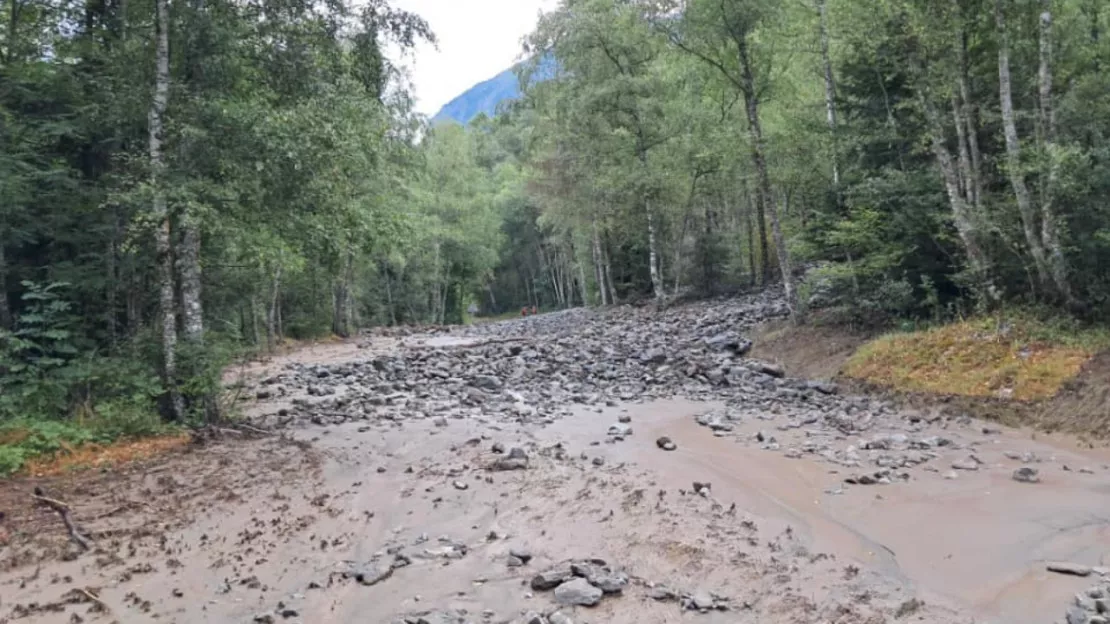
<point x="623" y="466"/>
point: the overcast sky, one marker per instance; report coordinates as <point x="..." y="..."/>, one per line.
<point x="478" y="39"/>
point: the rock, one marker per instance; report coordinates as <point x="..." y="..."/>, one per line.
<point x="1063" y="567"/>
<point x="509" y="463"/>
<point x="951" y="474"/>
<point x="523" y="554"/>
<point x="578" y="592"/>
<point x="487" y="382"/>
<point x="662" y="594"/>
<point x="666" y="444"/>
<point x="264" y="618"/>
<point x="532" y="618"/>
<point x="373" y="573"/>
<point x="498" y="448"/>
<point x="1076" y="615"/>
<point x="620" y="429"/>
<point x="559" y="618"/>
<point x="768" y="368"/>
<point x="459" y="485"/>
<point x="624" y="418"/>
<point x="440" y="422"/>
<point x="701" y="601"/>
<point x="824" y="387"/>
<point x="514" y="562"/>
<point x="653" y="356"/>
<point x="517" y="453"/>
<point x="966" y="464"/>
<point x="1025" y="474"/>
<point x="550" y="579"/>
<point x="598" y="461"/>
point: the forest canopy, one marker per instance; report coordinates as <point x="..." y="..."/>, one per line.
<point x="184" y="181"/>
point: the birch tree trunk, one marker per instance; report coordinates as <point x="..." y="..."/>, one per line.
<point x="160" y="212"/>
<point x="598" y="266"/>
<point x="609" y="274"/>
<point x="272" y="314"/>
<point x="766" y="196"/>
<point x="1013" y="150"/>
<point x="1057" y="264"/>
<point x="967" y="114"/>
<point x="830" y="89"/>
<point x="657" y="287"/>
<point x="966" y="226"/>
<point x="188" y="260"/>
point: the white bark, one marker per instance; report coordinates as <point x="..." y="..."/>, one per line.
<point x="657" y="287"/>
<point x="603" y="292"/>
<point x="159" y="209"/>
<point x="1057" y="264"/>
<point x="1013" y="149"/>
<point x="830" y="87"/>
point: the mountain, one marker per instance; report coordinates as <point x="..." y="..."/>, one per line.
<point x="483" y="97"/>
<point x="486" y="97"/>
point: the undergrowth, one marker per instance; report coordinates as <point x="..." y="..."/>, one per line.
<point x="1019" y="354"/>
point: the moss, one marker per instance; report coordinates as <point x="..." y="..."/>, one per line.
<point x="1018" y="356"/>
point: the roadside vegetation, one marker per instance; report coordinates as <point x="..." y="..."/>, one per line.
<point x="1012" y="356"/>
<point x="182" y="184"/>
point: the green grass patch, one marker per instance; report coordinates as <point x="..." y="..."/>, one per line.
<point x="1017" y="355"/>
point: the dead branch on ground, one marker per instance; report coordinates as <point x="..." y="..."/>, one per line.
<point x="63" y="510"/>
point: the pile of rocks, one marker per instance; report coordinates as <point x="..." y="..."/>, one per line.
<point x="581" y="583"/>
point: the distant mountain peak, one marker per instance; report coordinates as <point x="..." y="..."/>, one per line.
<point x="487" y="96"/>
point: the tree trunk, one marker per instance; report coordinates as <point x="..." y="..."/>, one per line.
<point x="608" y="266"/>
<point x="657" y="288"/>
<point x="603" y="293"/>
<point x="751" y="240"/>
<point x="160" y="212"/>
<point x="188" y="261"/>
<point x="830" y="89"/>
<point x="963" y="153"/>
<point x="272" y="315"/>
<point x="766" y="196"/>
<point x="1057" y="264"/>
<point x="967" y="115"/>
<point x="1013" y="150"/>
<point x="966" y="226"/>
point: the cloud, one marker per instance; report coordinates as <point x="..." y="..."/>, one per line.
<point x="478" y="39"/>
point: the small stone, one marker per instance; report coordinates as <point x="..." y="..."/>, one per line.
<point x="666" y="444"/>
<point x="662" y="594"/>
<point x="264" y="618"/>
<point x="624" y="418"/>
<point x="598" y="461"/>
<point x="514" y="562"/>
<point x="498" y="448"/>
<point x="550" y="579"/>
<point x="620" y="429"/>
<point x="1025" y="474"/>
<point x="523" y="554"/>
<point x="1063" y="567"/>
<point x="440" y="422"/>
<point x="951" y="474"/>
<point x="702" y="601"/>
<point x="532" y="618"/>
<point x="459" y="485"/>
<point x="577" y="592"/>
<point x="966" y="464"/>
<point x="289" y="613"/>
<point x="559" y="618"/>
<point x="517" y="453"/>
<point x="373" y="574"/>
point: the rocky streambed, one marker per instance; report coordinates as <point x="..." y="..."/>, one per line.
<point x="624" y="465"/>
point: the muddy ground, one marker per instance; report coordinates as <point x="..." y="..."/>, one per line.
<point x="519" y="472"/>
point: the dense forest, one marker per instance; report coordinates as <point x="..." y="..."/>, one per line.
<point x="183" y="182"/>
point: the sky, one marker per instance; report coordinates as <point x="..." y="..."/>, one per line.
<point x="478" y="39"/>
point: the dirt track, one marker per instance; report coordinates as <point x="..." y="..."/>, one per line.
<point x="382" y="500"/>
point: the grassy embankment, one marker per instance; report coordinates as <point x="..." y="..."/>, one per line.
<point x="1016" y="356"/>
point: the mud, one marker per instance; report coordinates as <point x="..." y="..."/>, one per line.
<point x="378" y="500"/>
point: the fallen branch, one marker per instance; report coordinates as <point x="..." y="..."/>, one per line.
<point x="63" y="511"/>
<point x="93" y="597"/>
